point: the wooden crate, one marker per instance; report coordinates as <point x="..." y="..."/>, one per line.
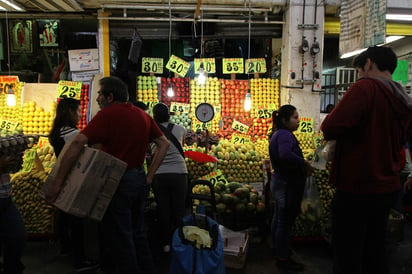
<point x="235" y="248"/>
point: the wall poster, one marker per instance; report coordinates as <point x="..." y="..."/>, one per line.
<point x="20" y="36"/>
<point x="49" y="33"/>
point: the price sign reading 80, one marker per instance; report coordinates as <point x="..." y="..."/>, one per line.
<point x="238" y="126"/>
<point x="305" y="125"/>
<point x="179" y="107"/>
<point x="178" y="65"/>
<point x="233" y="65"/>
<point x="257" y="65"/>
<point x="154" y="65"/>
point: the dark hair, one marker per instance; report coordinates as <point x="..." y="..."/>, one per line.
<point x="63" y="117"/>
<point x="116" y="87"/>
<point x="383" y="57"/>
<point x="161" y="113"/>
<point x="140" y="105"/>
<point x="283" y="113"/>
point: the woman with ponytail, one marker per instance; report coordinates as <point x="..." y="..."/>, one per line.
<point x="287" y="184"/>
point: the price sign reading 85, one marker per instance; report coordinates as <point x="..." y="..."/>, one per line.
<point x="8" y="125"/>
<point x="305" y="125"/>
<point x="238" y="126"/>
<point x="154" y="65"/>
<point x="178" y="65"/>
<point x="257" y="65"/>
<point x="233" y="65"/>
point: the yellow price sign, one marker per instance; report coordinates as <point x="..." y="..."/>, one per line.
<point x="209" y="65"/>
<point x="8" y="125"/>
<point x="256" y="65"/>
<point x="233" y="65"/>
<point x="240" y="139"/>
<point x="7" y="82"/>
<point x="264" y="113"/>
<point x="43" y="141"/>
<point x="69" y="89"/>
<point x="317" y="139"/>
<point x="215" y="177"/>
<point x="305" y="125"/>
<point x="238" y="126"/>
<point x="186" y="148"/>
<point x="179" y="107"/>
<point x="178" y="65"/>
<point x="29" y="159"/>
<point x="154" y="65"/>
<point x="272" y="108"/>
<point x="197" y="125"/>
<point x="218" y="110"/>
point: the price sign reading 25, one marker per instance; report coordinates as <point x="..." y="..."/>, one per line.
<point x="233" y="65"/>
<point x="178" y="65"/>
<point x="154" y="65"/>
<point x="69" y="89"/>
<point x="305" y="125"/>
<point x="264" y="113"/>
<point x="238" y="126"/>
<point x="215" y="177"/>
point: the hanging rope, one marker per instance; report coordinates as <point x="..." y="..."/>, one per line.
<point x="8" y="42"/>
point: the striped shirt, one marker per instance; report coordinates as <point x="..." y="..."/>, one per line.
<point x="5" y="186"/>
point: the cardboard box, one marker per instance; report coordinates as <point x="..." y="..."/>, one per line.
<point x="235" y="247"/>
<point x="90" y="185"/>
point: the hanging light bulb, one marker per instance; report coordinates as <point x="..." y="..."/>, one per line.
<point x="170" y="91"/>
<point x="248" y="102"/>
<point x="202" y="75"/>
<point x="11" y="98"/>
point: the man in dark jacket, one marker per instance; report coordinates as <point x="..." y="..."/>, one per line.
<point x="370" y="125"/>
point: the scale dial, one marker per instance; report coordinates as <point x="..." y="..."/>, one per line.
<point x="205" y="112"/>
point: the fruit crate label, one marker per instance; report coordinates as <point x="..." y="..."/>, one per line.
<point x="240" y="139"/>
<point x="8" y="125"/>
<point x="256" y="65"/>
<point x="197" y="125"/>
<point x="215" y="177"/>
<point x="179" y="107"/>
<point x="209" y="65"/>
<point x="43" y="141"/>
<point x="29" y="159"/>
<point x="317" y="139"/>
<point x="218" y="110"/>
<point x="154" y="65"/>
<point x="233" y="65"/>
<point x="305" y="125"/>
<point x="238" y="126"/>
<point x="69" y="89"/>
<point x="178" y="65"/>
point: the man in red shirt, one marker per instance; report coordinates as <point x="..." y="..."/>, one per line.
<point x="124" y="131"/>
<point x="370" y="125"/>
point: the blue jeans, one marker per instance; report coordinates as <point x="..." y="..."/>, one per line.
<point x="123" y="226"/>
<point x="12" y="235"/>
<point x="288" y="196"/>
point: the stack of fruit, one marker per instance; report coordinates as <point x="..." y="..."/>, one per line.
<point x="12" y="113"/>
<point x="14" y="147"/>
<point x="265" y="91"/>
<point x="262" y="147"/>
<point x="84" y="104"/>
<point x="227" y="130"/>
<point x="238" y="162"/>
<point x="180" y="87"/>
<point x="37" y="215"/>
<point x="326" y="193"/>
<point x="261" y="128"/>
<point x="36" y="120"/>
<point x="146" y="89"/>
<point x="306" y="144"/>
<point x="233" y="97"/>
<point x="182" y="119"/>
<point x="47" y="156"/>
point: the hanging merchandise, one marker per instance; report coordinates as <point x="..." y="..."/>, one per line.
<point x="135" y="47"/>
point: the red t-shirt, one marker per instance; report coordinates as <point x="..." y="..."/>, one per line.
<point x="124" y="131"/>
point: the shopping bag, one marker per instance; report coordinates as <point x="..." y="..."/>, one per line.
<point x="328" y="151"/>
<point x="318" y="161"/>
<point x="310" y="205"/>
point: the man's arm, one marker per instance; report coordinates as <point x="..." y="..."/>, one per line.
<point x="162" y="145"/>
<point x="70" y="157"/>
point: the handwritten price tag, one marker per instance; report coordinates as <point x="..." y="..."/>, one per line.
<point x="29" y="159"/>
<point x="239" y="139"/>
<point x="256" y="65"/>
<point x="179" y="107"/>
<point x="43" y="141"/>
<point x="209" y="65"/>
<point x="233" y="65"/>
<point x="197" y="125"/>
<point x="238" y="126"/>
<point x="186" y="148"/>
<point x="264" y="113"/>
<point x="317" y="139"/>
<point x="215" y="177"/>
<point x="69" y="89"/>
<point x="305" y="125"/>
<point x="178" y="65"/>
<point x="154" y="65"/>
<point x="8" y="125"/>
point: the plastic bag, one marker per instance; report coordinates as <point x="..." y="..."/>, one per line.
<point x="328" y="151"/>
<point x="310" y="205"/>
<point x="318" y="161"/>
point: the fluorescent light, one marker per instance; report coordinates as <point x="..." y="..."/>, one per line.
<point x="2" y="8"/>
<point x="399" y="17"/>
<point x="388" y="40"/>
<point x="393" y="38"/>
<point x="14" y="6"/>
<point x="352" y="53"/>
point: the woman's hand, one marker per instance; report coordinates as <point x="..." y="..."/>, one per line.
<point x="308" y="168"/>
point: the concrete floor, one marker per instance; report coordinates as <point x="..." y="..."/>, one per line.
<point x="41" y="257"/>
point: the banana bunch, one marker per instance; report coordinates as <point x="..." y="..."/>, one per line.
<point x="46" y="156"/>
<point x="37" y="215"/>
